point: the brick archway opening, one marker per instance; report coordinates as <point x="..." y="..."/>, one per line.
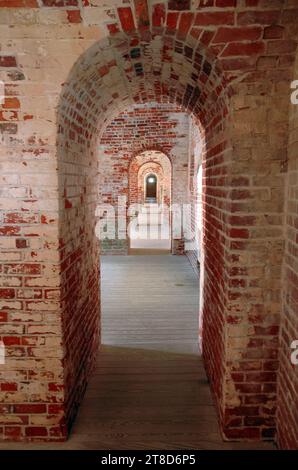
<point x="150" y="184"/>
<point x="90" y="99"/>
<point x="154" y="222"/>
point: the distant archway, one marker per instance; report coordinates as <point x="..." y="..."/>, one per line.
<point x="151" y="188"/>
<point x="150" y="201"/>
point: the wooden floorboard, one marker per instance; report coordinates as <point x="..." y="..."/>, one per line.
<point x="151" y="300"/>
<point x="149" y="389"/>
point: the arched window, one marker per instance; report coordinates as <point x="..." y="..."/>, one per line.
<point x="151" y="188"/>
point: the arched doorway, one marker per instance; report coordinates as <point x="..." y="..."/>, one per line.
<point x="78" y="145"/>
<point x="151" y="188"/>
<point x="150" y="195"/>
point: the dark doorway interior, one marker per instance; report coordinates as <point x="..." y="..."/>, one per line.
<point x="151" y="188"/>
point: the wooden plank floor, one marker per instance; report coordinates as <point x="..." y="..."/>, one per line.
<point x="150" y="300"/>
<point x="149" y="390"/>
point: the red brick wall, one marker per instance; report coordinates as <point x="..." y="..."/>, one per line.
<point x="253" y="225"/>
<point x="32" y="379"/>
<point x="287" y="411"/>
<point x="213" y="303"/>
<point x="79" y="255"/>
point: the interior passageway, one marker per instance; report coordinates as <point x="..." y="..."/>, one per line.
<point x="149" y="389"/>
<point x="90" y="88"/>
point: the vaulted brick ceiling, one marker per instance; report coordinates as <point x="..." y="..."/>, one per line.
<point x="132" y="69"/>
<point x="178" y="51"/>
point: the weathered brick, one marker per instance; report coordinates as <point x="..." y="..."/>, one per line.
<point x="36" y="431"/>
<point x="273" y="32"/>
<point x="60" y="3"/>
<point x="179" y="5"/>
<point x="185" y="23"/>
<point x="7" y="61"/>
<point x="226" y="3"/>
<point x="243" y="49"/>
<point x="11" y="103"/>
<point x="142" y="14"/>
<point x="265" y="17"/>
<point x="214" y="18"/>
<point x="126" y="18"/>
<point x="13" y="432"/>
<point x="158" y="14"/>
<point x="7" y="293"/>
<point x="74" y="16"/>
<point x="172" y="20"/>
<point x="19" y="3"/>
<point x="30" y="408"/>
<point x="237" y="34"/>
<point x="281" y="47"/>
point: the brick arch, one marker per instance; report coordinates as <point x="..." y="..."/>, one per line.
<point x="152" y="169"/>
<point x="150" y="160"/>
<point x="141" y="148"/>
<point x="93" y="94"/>
<point x="138" y="161"/>
<point x="149" y="168"/>
<point x="202" y="89"/>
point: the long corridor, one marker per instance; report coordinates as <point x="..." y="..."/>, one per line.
<point x="149" y="390"/>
